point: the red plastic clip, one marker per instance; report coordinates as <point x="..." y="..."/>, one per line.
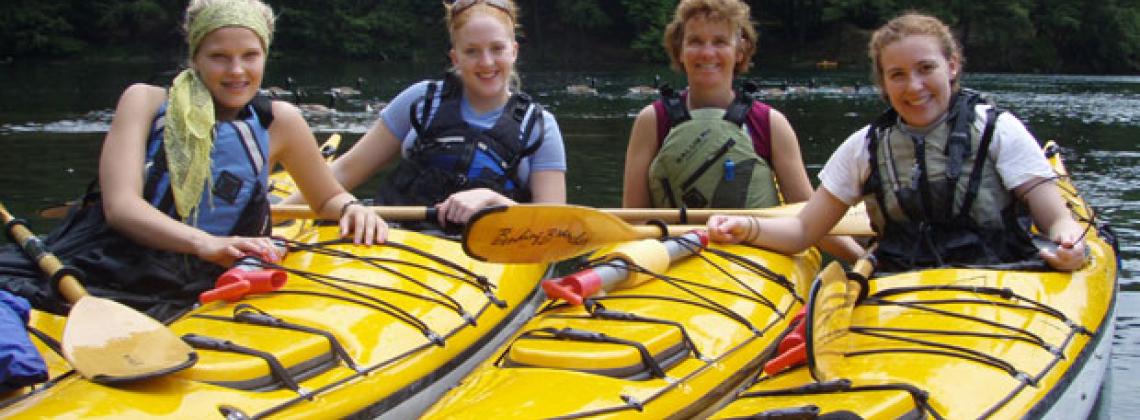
<point x="792" y="350"/>
<point x="574" y="287"/>
<point x="242" y="280"/>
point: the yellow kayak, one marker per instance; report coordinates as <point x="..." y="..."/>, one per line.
<point x="671" y="341"/>
<point x="954" y="343"/>
<point x="373" y="331"/>
<point x="379" y="330"/>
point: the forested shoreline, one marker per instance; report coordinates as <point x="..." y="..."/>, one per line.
<point x="1030" y="36"/>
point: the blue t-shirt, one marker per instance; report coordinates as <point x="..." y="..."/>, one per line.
<point x="550" y="156"/>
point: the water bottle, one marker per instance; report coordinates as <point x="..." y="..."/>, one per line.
<point x="729" y="170"/>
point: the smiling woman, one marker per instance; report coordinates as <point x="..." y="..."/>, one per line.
<point x="946" y="175"/>
<point x="755" y="156"/>
<point x="471" y="140"/>
<point x="231" y="63"/>
<point x="183" y="174"/>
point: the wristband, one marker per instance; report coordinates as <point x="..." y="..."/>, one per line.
<point x="344" y="207"/>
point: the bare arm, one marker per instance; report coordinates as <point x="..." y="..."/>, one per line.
<point x="638" y="155"/>
<point x="545" y="187"/>
<point x="294" y="146"/>
<point x="1052" y="216"/>
<point x="372" y="152"/>
<point x="789" y="235"/>
<point x="794" y="184"/>
<point x="548" y="187"/>
<point x="121" y="181"/>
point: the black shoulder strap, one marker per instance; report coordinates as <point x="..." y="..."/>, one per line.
<point x="674" y="107"/>
<point x="874" y="181"/>
<point x="737" y="111"/>
<point x="537" y="118"/>
<point x="428" y="100"/>
<point x="263" y="106"/>
<point x="958" y="145"/>
<point x="980" y="160"/>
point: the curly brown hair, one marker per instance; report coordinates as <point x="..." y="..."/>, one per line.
<point x="735" y="12"/>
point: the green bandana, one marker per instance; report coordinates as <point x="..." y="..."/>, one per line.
<point x="189" y="131"/>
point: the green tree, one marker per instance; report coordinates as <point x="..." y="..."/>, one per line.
<point x="388" y="30"/>
<point x="648" y="19"/>
<point x="36" y="28"/>
<point x="142" y="25"/>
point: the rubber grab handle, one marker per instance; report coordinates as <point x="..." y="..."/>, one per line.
<point x="237" y="282"/>
<point x="792" y="350"/>
<point x="576" y="287"/>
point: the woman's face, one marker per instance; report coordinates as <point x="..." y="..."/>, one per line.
<point x="710" y="52"/>
<point x="916" y="77"/>
<point x="230" y="61"/>
<point x="484" y="54"/>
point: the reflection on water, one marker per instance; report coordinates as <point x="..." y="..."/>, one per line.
<point x="1123" y="388"/>
<point x="51" y="123"/>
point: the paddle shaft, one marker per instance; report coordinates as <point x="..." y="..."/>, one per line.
<point x="698" y="215"/>
<point x="854" y="223"/>
<point x="36" y="250"/>
<point x="398" y="213"/>
<point x="427" y="214"/>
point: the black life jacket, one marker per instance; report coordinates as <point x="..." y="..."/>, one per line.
<point x="948" y="207"/>
<point x="449" y="155"/>
<point x="161" y="283"/>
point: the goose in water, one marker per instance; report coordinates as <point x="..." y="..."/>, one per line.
<point x="317" y="109"/>
<point x="278" y="92"/>
<point x="344" y="91"/>
<point x="583" y="89"/>
<point x="643" y="90"/>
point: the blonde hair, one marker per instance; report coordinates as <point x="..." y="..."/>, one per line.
<point x="734" y="12"/>
<point x="508" y="16"/>
<point x="913" y="24"/>
<point x="196" y="7"/>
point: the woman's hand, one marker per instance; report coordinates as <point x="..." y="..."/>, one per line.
<point x="363" y="224"/>
<point x="459" y="207"/>
<point x="224" y="251"/>
<point x="1070" y="254"/>
<point x="732" y="229"/>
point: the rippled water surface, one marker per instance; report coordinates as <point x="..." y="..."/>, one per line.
<point x="53" y="116"/>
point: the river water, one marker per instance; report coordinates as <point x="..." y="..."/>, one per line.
<point x="53" y="116"/>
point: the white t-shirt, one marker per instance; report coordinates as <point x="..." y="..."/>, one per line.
<point x="1014" y="150"/>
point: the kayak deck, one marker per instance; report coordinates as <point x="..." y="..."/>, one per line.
<point x="356" y="330"/>
<point x="670" y="346"/>
<point x="961" y="343"/>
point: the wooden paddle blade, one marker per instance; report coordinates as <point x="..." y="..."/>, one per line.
<point x="57" y="211"/>
<point x="105" y="341"/>
<point x="828" y="319"/>
<point x="855" y="222"/>
<point x="108" y="342"/>
<point x="532" y="233"/>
